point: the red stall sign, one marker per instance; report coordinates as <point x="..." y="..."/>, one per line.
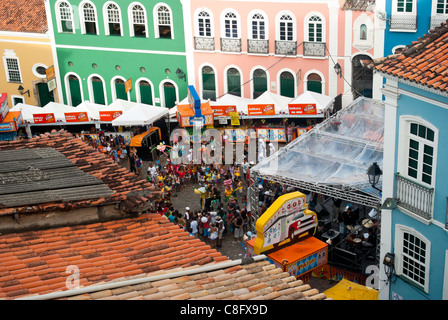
<point x="109" y="115"/>
<point x="302" y="108"/>
<point x="40" y="118"/>
<point x="261" y="109"/>
<point x="76" y="117"/>
<point x="223" y="111"/>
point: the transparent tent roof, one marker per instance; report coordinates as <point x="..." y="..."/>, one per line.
<point x="334" y="156"/>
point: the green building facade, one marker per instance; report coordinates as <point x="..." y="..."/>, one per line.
<point x="100" y="45"/>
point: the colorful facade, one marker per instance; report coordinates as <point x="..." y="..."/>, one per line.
<point x="247" y="47"/>
<point x="104" y="46"/>
<point x="414" y="214"/>
<point x="26" y="52"/>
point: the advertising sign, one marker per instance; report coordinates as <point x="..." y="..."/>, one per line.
<point x="223" y="111"/>
<point x="261" y="109"/>
<point x="76" y="117"/>
<point x="40" y="118"/>
<point x="109" y="115"/>
<point x="128" y="86"/>
<point x="51" y="84"/>
<point x="4" y="108"/>
<point x="286" y="221"/>
<point x="302" y="108"/>
<point x="234" y="119"/>
<point x="50" y="73"/>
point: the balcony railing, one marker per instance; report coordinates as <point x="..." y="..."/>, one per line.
<point x="435" y="21"/>
<point x="204" y="43"/>
<point x="414" y="197"/>
<point x="258" y="46"/>
<point x="230" y="45"/>
<point x="314" y="49"/>
<point x="284" y="47"/>
<point x="403" y="22"/>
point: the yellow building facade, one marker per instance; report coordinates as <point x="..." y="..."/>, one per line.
<point x="26" y="52"/>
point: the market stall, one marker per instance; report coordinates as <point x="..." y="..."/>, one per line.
<point x="140" y="115"/>
<point x="310" y="105"/>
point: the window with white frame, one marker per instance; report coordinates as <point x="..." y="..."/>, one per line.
<point x="204" y="24"/>
<point x="258" y="27"/>
<point x="230" y="25"/>
<point x="12" y="66"/>
<point x="420" y="156"/>
<point x="286" y="28"/>
<point x="112" y="16"/>
<point x="88" y="18"/>
<point x="442" y="7"/>
<point x="163" y="22"/>
<point x="315" y="29"/>
<point x="412" y="253"/>
<point x="405" y="6"/>
<point x="65" y="17"/>
<point x="138" y="21"/>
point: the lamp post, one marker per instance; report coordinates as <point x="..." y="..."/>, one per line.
<point x="374" y="173"/>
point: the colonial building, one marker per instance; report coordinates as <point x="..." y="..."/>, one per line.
<point x="414" y="217"/>
<point x="26" y="52"/>
<point x="127" y="50"/>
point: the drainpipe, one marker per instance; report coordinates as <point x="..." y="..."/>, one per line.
<point x="131" y="282"/>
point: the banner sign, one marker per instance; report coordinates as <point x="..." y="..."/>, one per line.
<point x="261" y="109"/>
<point x="270" y="134"/>
<point x="76" y="117"/>
<point x="4" y="108"/>
<point x="50" y="73"/>
<point x="234" y="119"/>
<point x="40" y="118"/>
<point x="223" y="111"/>
<point x="302" y="108"/>
<point x="109" y="115"/>
<point x="128" y="86"/>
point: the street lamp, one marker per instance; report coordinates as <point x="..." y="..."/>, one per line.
<point x="22" y="90"/>
<point x="374" y="173"/>
<point x="180" y="74"/>
<point x="338" y="69"/>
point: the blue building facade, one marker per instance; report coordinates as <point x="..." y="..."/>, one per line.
<point x="407" y="20"/>
<point x="415" y="189"/>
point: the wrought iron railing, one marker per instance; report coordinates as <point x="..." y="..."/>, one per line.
<point x="204" y="43"/>
<point x="435" y="21"/>
<point x="414" y="197"/>
<point x="230" y="45"/>
<point x="314" y="49"/>
<point x="284" y="47"/>
<point x="403" y="22"/>
<point x="258" y="46"/>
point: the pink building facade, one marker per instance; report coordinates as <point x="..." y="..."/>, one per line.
<point x="287" y="47"/>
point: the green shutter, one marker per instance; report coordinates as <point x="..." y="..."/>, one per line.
<point x="75" y="92"/>
<point x="146" y="94"/>
<point x="234" y="84"/>
<point x="208" y="86"/>
<point x="121" y="91"/>
<point x="287" y="87"/>
<point x="45" y="96"/>
<point x="98" y="92"/>
<point x="170" y="96"/>
<point x="315" y="86"/>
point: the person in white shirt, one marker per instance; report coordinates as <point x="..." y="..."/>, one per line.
<point x="194" y="227"/>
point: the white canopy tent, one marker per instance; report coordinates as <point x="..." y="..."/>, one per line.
<point x="232" y="100"/>
<point x="140" y="115"/>
<point x="27" y="111"/>
<point x="332" y="159"/>
<point x="280" y="103"/>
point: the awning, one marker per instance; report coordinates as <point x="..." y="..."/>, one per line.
<point x="136" y="141"/>
<point x="347" y="290"/>
<point x="309" y="104"/>
<point x="185" y="114"/>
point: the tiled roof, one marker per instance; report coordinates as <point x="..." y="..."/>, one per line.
<point x="358" y="5"/>
<point x="254" y="281"/>
<point x="23" y="16"/>
<point x="131" y="191"/>
<point x="36" y="262"/>
<point x="424" y="62"/>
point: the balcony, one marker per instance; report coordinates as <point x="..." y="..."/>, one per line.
<point x="435" y="21"/>
<point x="414" y="197"/>
<point x="314" y="49"/>
<point x="286" y="48"/>
<point x="258" y="46"/>
<point x="230" y="45"/>
<point x="204" y="43"/>
<point x="403" y="22"/>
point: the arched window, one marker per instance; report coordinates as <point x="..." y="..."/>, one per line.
<point x="97" y="90"/>
<point x="258" y="27"/>
<point x="260" y="83"/>
<point x="74" y="91"/>
<point x="64" y="11"/>
<point x="118" y="89"/>
<point x="314" y="83"/>
<point x="137" y="19"/>
<point x="234" y="82"/>
<point x="230" y="25"/>
<point x="163" y="22"/>
<point x="204" y="28"/>
<point x="208" y="83"/>
<point x="112" y="16"/>
<point x="287" y="84"/>
<point x="88" y="18"/>
<point x="363" y="32"/>
<point x="315" y="29"/>
<point x="286" y="28"/>
<point x="145" y="92"/>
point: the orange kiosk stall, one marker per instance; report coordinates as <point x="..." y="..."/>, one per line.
<point x="285" y="235"/>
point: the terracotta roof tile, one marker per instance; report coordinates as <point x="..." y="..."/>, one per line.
<point x="423" y="62"/>
<point x="23" y="16"/>
<point x="38" y="269"/>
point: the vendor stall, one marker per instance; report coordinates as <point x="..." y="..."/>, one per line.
<point x="146" y="142"/>
<point x="310" y="105"/>
<point x="10" y="125"/>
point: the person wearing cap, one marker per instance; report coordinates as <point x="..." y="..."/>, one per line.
<point x="187" y="213"/>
